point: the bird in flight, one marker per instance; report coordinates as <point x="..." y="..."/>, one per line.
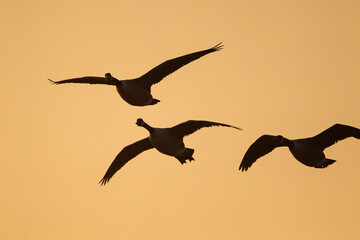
<point x="168" y="141"/>
<point x="308" y="151"/>
<point x="137" y="92"/>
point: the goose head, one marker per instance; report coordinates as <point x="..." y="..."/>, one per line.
<point x="282" y="141"/>
<point x="108" y="76"/>
<point x="111" y="79"/>
<point x="279" y="139"/>
<point x="140" y="122"/>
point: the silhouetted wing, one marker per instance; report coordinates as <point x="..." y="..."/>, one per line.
<point x="186" y="128"/>
<point x="262" y="146"/>
<point x="89" y="80"/>
<point x="334" y="134"/>
<point x="128" y="153"/>
<point x="156" y="74"/>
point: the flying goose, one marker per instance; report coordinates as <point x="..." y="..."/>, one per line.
<point x="137" y="92"/>
<point x="308" y="151"/>
<point x="168" y="141"/>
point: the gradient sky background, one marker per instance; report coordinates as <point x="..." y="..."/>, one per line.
<point x="288" y="67"/>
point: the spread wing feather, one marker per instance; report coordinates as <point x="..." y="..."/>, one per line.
<point x="186" y="128"/>
<point x="334" y="134"/>
<point x="159" y="72"/>
<point x="128" y="153"/>
<point x="89" y="80"/>
<point x="262" y="146"/>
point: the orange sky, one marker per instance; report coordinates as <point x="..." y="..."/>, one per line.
<point x="288" y="67"/>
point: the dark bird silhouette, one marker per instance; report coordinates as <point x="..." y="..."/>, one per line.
<point x="168" y="141"/>
<point x="308" y="151"/>
<point x="137" y="92"/>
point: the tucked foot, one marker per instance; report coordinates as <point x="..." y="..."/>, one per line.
<point x="183" y="160"/>
<point x="186" y="155"/>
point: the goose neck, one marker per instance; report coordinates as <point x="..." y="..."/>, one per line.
<point x="149" y="128"/>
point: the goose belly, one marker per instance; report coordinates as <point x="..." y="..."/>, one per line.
<point x="307" y="154"/>
<point x="134" y="95"/>
<point x="167" y="144"/>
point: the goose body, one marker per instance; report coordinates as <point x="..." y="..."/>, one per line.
<point x="168" y="141"/>
<point x="137" y="92"/>
<point x="308" y="151"/>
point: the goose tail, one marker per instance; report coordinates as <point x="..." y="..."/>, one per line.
<point x="154" y="101"/>
<point x="325" y="162"/>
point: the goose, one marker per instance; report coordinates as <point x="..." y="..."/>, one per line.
<point x="168" y="141"/>
<point x="308" y="151"/>
<point x="137" y="92"/>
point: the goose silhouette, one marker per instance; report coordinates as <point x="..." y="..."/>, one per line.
<point x="308" y="151"/>
<point x="168" y="141"/>
<point x="137" y="92"/>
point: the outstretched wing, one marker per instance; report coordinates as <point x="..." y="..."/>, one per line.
<point x="159" y="72"/>
<point x="128" y="153"/>
<point x="89" y="80"/>
<point x="262" y="146"/>
<point x="186" y="128"/>
<point x="334" y="134"/>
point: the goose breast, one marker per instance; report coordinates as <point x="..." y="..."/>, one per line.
<point x="166" y="143"/>
<point x="134" y="94"/>
<point x="306" y="153"/>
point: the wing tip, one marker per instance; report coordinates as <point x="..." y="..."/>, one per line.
<point x="52" y="81"/>
<point x="218" y="47"/>
<point x="103" y="181"/>
<point x="243" y="168"/>
<point x="237" y="128"/>
<point x="227" y="125"/>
